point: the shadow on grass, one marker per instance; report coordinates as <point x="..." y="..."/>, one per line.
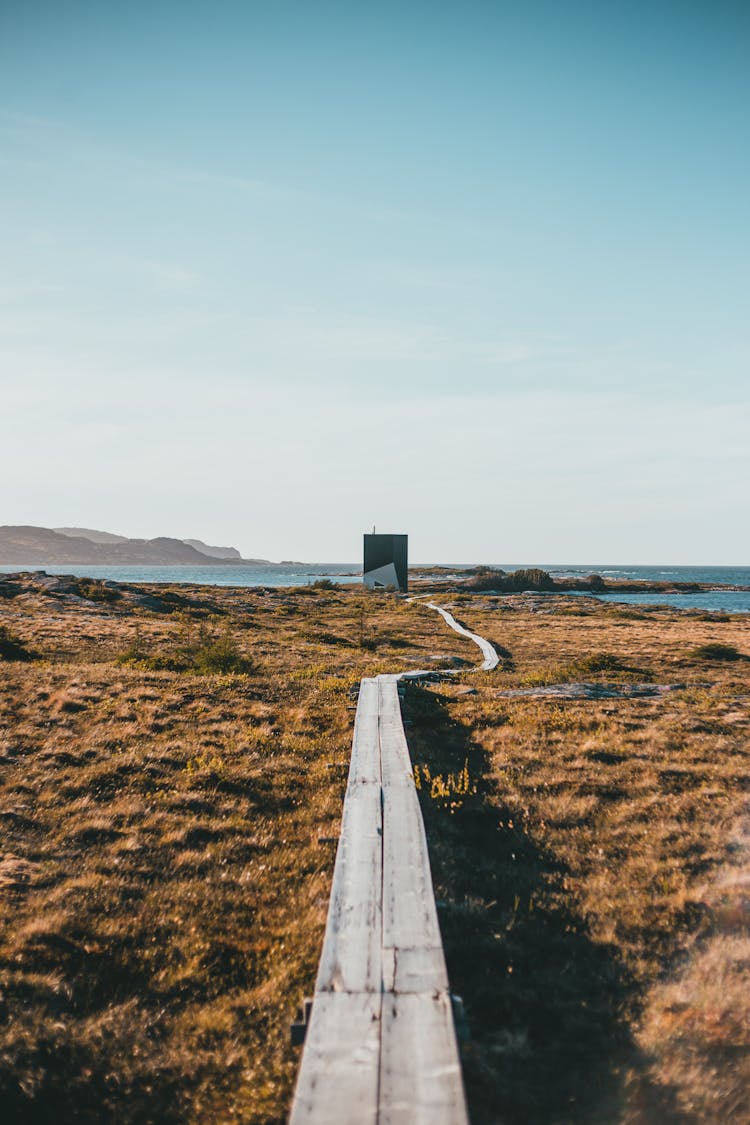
<point x="545" y="1003"/>
<point x="77" y="1082"/>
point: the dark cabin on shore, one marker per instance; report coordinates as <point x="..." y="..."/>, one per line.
<point x="386" y="562"/>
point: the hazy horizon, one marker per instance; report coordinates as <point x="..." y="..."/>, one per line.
<point x="352" y="561"/>
<point x="273" y="274"/>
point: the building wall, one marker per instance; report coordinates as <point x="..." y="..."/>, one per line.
<point x="386" y="561"/>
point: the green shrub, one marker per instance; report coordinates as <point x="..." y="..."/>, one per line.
<point x="530" y="579"/>
<point x="485" y="578"/>
<point x="220" y="654"/>
<point x="533" y="579"/>
<point x="94" y="590"/>
<point x="585" y="666"/>
<point x="206" y="654"/>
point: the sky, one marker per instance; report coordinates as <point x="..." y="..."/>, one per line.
<point x="274" y="272"/>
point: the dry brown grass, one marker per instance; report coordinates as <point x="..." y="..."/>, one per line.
<point x="696" y="1024"/>
<point x="573" y="873"/>
<point x="162" y="888"/>
<point x="164" y="893"/>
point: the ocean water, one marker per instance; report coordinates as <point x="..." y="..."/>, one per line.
<point x="720" y="600"/>
<point x="715" y="601"/>
<point x="721" y="575"/>
<point x="209" y="575"/>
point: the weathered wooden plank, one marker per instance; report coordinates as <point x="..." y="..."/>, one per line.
<point x="414" y="970"/>
<point x="420" y="1071"/>
<point x="364" y="765"/>
<point x="381" y="1046"/>
<point x="412" y="947"/>
<point x="351" y="957"/>
<point x="409" y="913"/>
<point x="339" y="1073"/>
<point x="395" y="763"/>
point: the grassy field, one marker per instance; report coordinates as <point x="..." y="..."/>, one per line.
<point x="591" y="862"/>
<point x="173" y="768"/>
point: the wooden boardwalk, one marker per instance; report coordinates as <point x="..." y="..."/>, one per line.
<point x="489" y="663"/>
<point x="381" y="1044"/>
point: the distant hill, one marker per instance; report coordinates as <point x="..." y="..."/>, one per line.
<point x="89" y="533"/>
<point x="108" y="537"/>
<point x="38" y="546"/>
<point x="214" y="552"/>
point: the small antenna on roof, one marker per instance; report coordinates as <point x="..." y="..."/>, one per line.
<point x="373" y="529"/>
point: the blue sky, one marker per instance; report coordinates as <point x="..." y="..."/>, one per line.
<point x="274" y="272"/>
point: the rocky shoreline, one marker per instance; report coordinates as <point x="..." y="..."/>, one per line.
<point x="492" y="580"/>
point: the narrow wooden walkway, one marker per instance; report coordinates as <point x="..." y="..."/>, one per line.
<point x="381" y="1045"/>
<point x="491" y="659"/>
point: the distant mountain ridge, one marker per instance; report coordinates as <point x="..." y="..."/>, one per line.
<point x="89" y="533"/>
<point x="20" y="545"/>
<point x="108" y="537"/>
<point x="214" y="552"/>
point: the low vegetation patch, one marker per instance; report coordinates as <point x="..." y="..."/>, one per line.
<point x="714" y="650"/>
<point x="202" y="651"/>
<point x="517" y="580"/>
<point x="597" y="664"/>
<point x="95" y="590"/>
<point x="11" y="648"/>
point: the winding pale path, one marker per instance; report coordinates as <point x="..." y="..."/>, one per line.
<point x="491" y="659"/>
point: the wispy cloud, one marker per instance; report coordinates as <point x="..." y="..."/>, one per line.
<point x="42" y="138"/>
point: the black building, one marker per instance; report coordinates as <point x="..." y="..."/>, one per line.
<point x="386" y="562"/>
